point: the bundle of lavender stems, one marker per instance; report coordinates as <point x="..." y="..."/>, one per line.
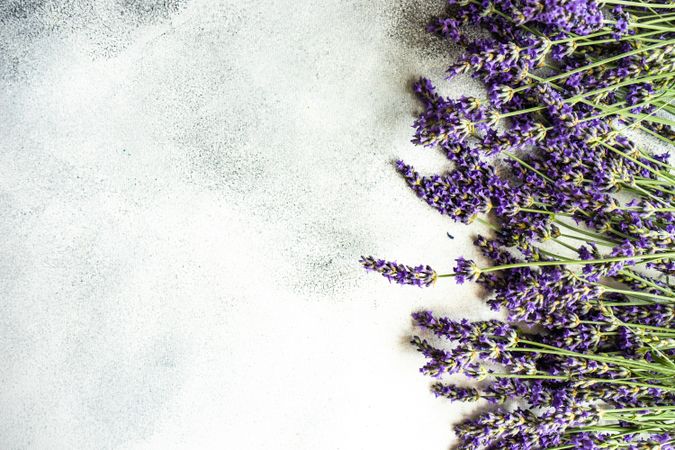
<point x="566" y="161"/>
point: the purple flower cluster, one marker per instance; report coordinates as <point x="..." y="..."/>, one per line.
<point x="400" y="273"/>
<point x="583" y="215"/>
<point x="562" y="389"/>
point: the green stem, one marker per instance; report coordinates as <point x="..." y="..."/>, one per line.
<point x="641" y="36"/>
<point x="615" y="111"/>
<point x="580" y="262"/>
<point x="581" y="238"/>
<point x="595" y="236"/>
<point x="656" y="135"/>
<point x="638" y="294"/>
<point x="618" y="361"/>
<point x="639" y="4"/>
<point x="636" y="277"/>
<point x="541" y="211"/>
<point x="604" y="61"/>
<point x="566" y="245"/>
<point x="649" y="118"/>
<point x="639" y="163"/>
<point x="613" y="87"/>
<point x="620" y="304"/>
<point x="657" y="330"/>
<point x="650" y="195"/>
<point x="524" y="164"/>
<point x="644" y="408"/>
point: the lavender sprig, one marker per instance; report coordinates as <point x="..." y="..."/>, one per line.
<point x="400" y="273"/>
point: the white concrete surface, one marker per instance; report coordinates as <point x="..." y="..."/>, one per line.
<point x="185" y="190"/>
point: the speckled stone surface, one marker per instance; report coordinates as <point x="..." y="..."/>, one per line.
<point x="185" y="190"/>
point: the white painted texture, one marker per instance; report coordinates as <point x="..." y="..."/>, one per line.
<point x="185" y="192"/>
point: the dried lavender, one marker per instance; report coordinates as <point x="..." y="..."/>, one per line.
<point x="583" y="217"/>
<point x="400" y="273"/>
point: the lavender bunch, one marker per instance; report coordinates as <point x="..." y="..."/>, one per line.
<point x="555" y="161"/>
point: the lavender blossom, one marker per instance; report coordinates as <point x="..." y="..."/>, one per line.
<point x="399" y="273"/>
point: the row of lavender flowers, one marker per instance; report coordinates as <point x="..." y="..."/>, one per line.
<point x="583" y="240"/>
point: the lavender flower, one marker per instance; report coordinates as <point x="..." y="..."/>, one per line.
<point x="455" y="392"/>
<point x="466" y="269"/>
<point x="400" y="273"/>
<point x="583" y="246"/>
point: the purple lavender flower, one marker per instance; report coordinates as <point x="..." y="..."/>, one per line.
<point x="460" y="195"/>
<point x="466" y="269"/>
<point x="400" y="273"/>
<point x="456" y="393"/>
<point x="555" y="116"/>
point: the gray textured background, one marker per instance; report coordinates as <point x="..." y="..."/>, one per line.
<point x="186" y="189"/>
